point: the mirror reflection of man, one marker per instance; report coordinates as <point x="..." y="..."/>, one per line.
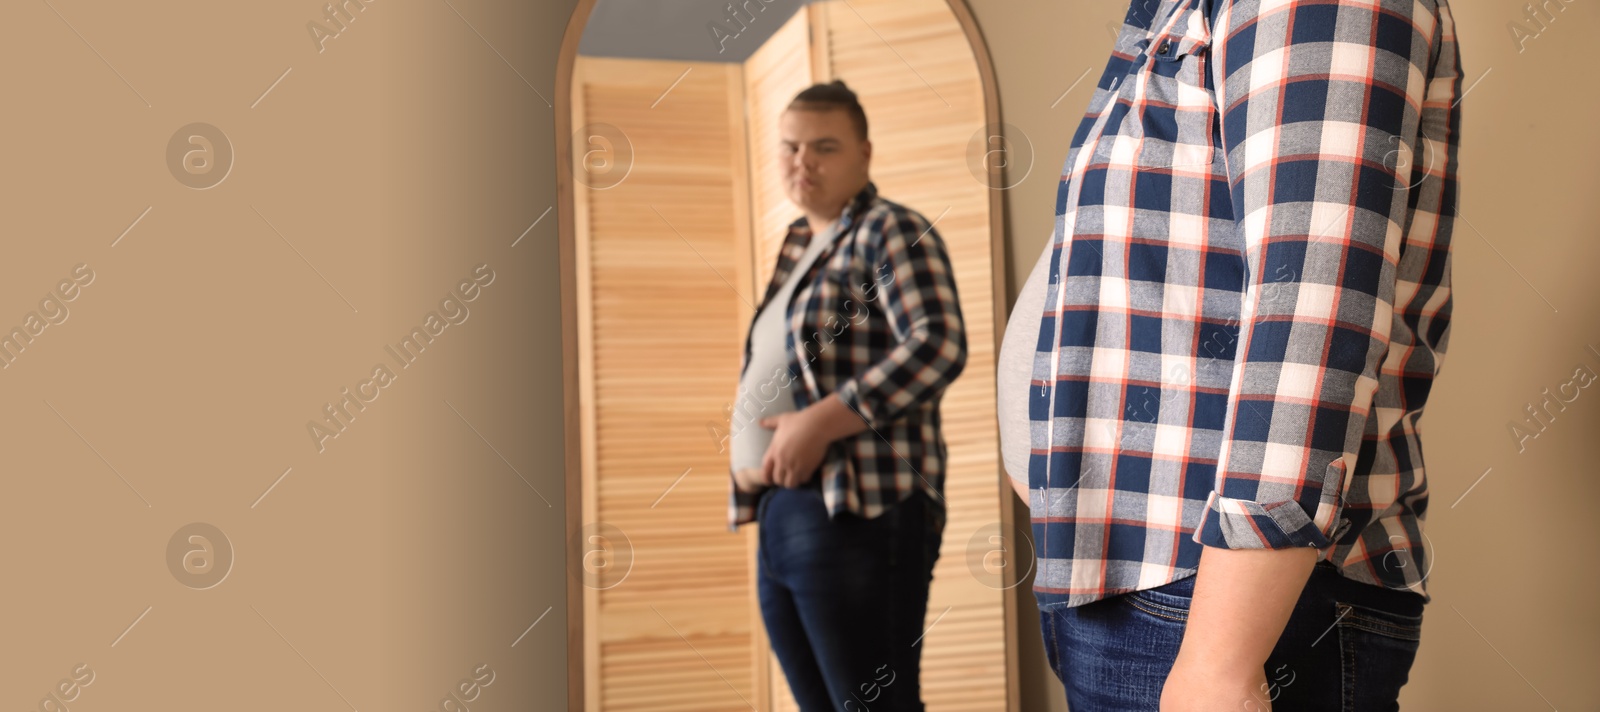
<point x="837" y="449"/>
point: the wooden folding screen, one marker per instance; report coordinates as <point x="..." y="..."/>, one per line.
<point x="661" y="255"/>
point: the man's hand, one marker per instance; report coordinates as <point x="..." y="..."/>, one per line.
<point x="796" y="451"/>
<point x="800" y="440"/>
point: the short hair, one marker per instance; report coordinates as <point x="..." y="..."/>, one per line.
<point x="833" y="95"/>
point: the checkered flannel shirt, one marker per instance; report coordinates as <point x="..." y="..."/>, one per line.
<point x="1250" y="294"/>
<point x="877" y="321"/>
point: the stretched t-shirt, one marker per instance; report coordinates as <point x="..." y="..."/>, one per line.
<point x="765" y="388"/>
<point x="1014" y="370"/>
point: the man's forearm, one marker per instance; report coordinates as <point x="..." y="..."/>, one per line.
<point x="834" y="419"/>
<point x="1242" y="600"/>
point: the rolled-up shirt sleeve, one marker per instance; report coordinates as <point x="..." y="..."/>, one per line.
<point x="1320" y="106"/>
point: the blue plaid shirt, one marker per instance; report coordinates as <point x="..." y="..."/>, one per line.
<point x="877" y="320"/>
<point x="1249" y="294"/>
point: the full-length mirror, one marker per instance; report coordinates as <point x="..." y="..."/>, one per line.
<point x="679" y="221"/>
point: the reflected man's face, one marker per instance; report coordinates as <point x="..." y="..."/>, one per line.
<point x="824" y="161"/>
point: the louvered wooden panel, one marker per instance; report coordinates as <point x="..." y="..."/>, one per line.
<point x="776" y="72"/>
<point x="660" y="255"/>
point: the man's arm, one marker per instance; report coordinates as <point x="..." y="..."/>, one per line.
<point x="833" y="419"/>
<point x="1318" y="103"/>
<point x="915" y="285"/>
<point x="1242" y="601"/>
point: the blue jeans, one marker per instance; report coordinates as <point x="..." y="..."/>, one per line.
<point x="1348" y="646"/>
<point x="844" y="601"/>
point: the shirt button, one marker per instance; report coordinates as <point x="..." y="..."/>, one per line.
<point x="1344" y="525"/>
<point x="1164" y="47"/>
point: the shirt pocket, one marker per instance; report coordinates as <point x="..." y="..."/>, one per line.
<point x="1177" y="109"/>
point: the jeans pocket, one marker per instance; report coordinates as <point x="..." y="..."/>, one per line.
<point x="1169" y="601"/>
<point x="1378" y="622"/>
<point x="1050" y="630"/>
<point x="1377" y="648"/>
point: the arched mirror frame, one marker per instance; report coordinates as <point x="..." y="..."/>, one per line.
<point x="571" y="323"/>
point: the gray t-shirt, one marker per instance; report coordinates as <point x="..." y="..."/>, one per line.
<point x="1014" y="369"/>
<point x="765" y="388"/>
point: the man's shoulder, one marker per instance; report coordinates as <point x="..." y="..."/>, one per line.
<point x="883" y="215"/>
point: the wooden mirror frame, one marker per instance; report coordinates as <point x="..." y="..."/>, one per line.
<point x="570" y="324"/>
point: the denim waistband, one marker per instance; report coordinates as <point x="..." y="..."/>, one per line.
<point x="1402" y="601"/>
<point x="1326" y="580"/>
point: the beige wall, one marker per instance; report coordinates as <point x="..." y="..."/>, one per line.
<point x="371" y="179"/>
